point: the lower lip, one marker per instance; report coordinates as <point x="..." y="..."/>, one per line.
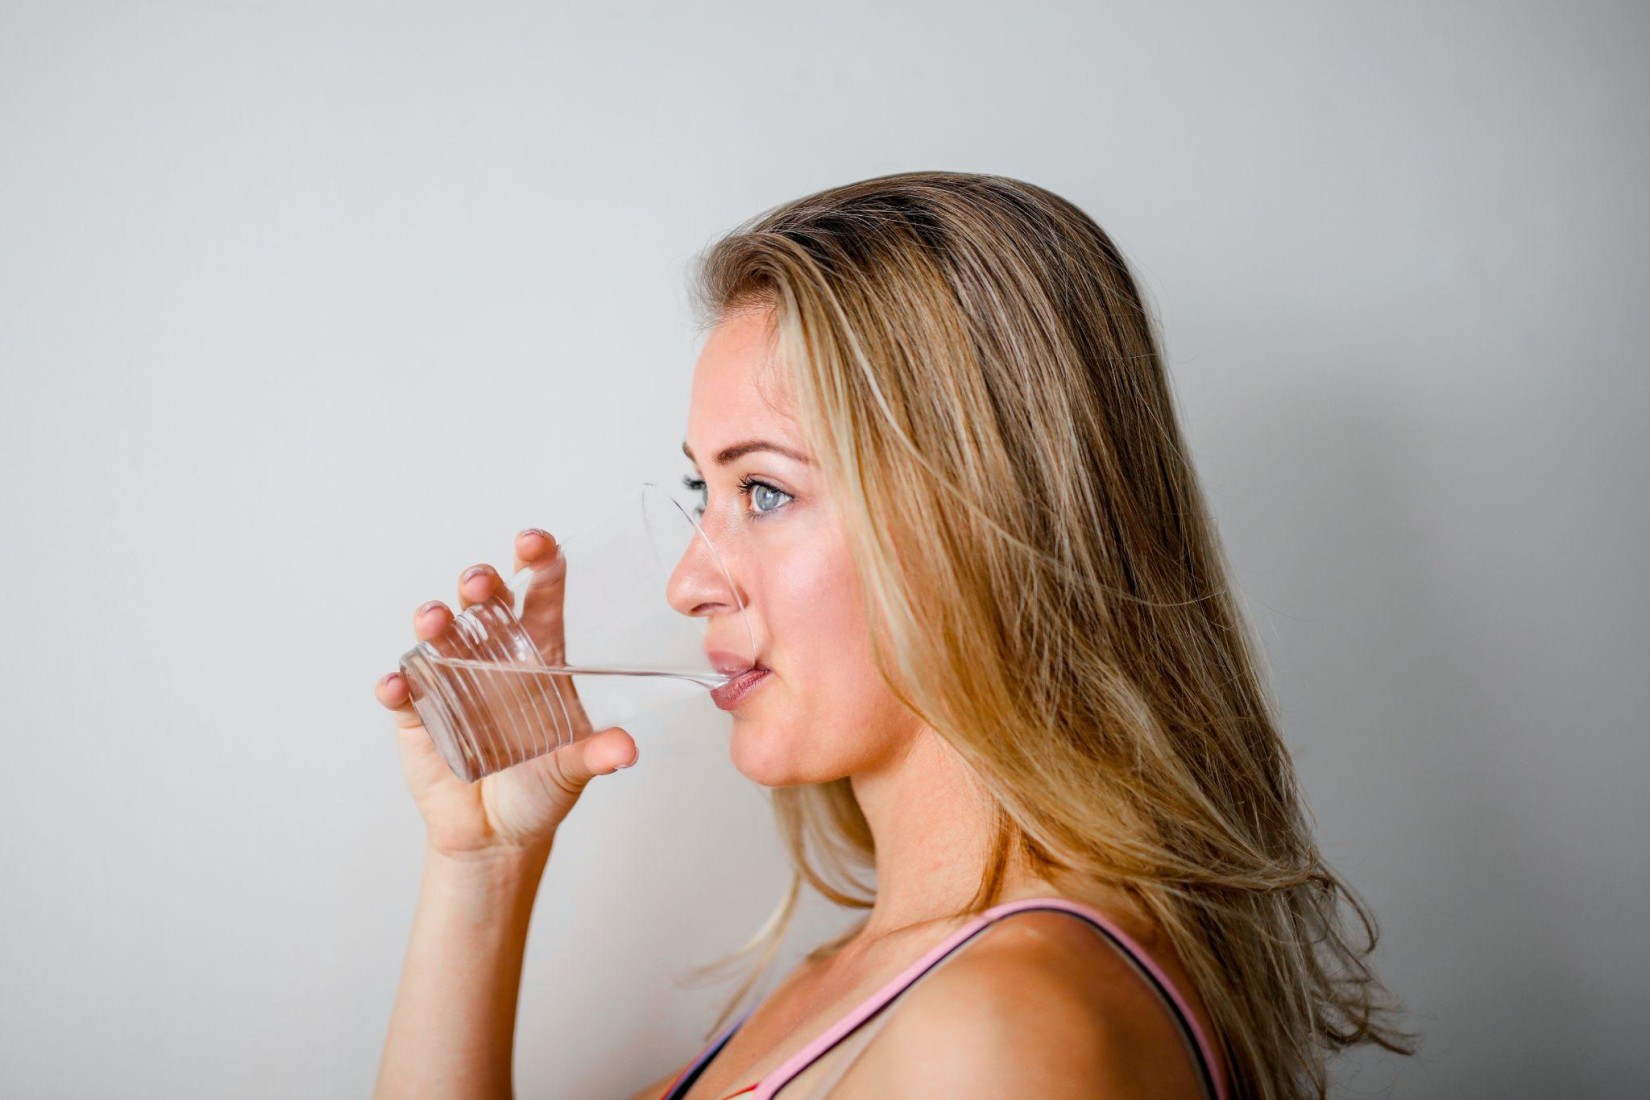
<point x="730" y="694"/>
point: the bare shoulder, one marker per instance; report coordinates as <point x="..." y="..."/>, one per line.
<point x="657" y="1088"/>
<point x="1037" y="1005"/>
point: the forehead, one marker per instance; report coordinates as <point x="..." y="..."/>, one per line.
<point x="738" y="386"/>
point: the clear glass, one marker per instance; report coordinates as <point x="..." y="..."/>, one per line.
<point x="589" y="640"/>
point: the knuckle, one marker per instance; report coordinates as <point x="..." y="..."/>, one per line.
<point x="556" y="774"/>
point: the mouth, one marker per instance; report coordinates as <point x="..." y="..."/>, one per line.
<point x="743" y="677"/>
<point x="731" y="664"/>
<point x="732" y="693"/>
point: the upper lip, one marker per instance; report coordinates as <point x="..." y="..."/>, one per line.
<point x="729" y="663"/>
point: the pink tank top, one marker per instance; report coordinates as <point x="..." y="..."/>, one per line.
<point x="1202" y="1050"/>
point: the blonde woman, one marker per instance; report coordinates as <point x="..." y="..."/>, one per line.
<point x="1000" y="665"/>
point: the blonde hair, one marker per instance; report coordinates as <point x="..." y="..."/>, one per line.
<point x="981" y="384"/>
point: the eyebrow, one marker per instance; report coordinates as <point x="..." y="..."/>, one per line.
<point x="738" y="450"/>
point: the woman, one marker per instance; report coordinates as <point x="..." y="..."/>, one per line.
<point x="1004" y="670"/>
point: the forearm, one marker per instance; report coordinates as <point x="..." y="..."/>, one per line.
<point x="453" y="1027"/>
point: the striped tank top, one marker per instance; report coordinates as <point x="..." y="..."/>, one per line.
<point x="853" y="1029"/>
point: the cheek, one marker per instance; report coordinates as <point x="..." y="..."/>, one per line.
<point x="817" y="625"/>
<point x="832" y="715"/>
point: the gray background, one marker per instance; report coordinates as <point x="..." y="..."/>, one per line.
<point x="304" y="308"/>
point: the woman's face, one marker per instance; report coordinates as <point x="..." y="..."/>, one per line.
<point x="821" y="712"/>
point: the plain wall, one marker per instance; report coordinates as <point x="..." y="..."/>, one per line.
<point x="304" y="308"/>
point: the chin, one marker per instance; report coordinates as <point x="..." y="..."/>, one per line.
<point x="763" y="763"/>
<point x="776" y="756"/>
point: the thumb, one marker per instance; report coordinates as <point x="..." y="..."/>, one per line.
<point x="602" y="753"/>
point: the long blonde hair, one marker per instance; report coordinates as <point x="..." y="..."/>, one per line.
<point x="981" y="384"/>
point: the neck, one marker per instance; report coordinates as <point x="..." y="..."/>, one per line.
<point x="930" y="819"/>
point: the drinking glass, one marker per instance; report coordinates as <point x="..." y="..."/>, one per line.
<point x="587" y="640"/>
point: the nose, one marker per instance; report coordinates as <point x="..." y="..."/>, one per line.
<point x="697" y="586"/>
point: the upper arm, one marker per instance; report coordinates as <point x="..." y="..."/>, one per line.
<point x="1028" y="1010"/>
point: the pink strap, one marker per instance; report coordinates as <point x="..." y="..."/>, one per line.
<point x="776" y="1080"/>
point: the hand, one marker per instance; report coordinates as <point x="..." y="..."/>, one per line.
<point x="515" y="810"/>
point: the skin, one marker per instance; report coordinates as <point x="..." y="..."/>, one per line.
<point x="1090" y="1026"/>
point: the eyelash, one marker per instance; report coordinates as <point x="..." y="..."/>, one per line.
<point x="746" y="484"/>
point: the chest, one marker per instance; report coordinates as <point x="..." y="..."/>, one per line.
<point x="789" y="1020"/>
<point x="753" y="1053"/>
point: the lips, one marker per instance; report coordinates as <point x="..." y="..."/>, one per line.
<point x="732" y="693"/>
<point x="729" y="663"/>
<point x="743" y="677"/>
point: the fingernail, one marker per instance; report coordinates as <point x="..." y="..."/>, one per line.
<point x="473" y="571"/>
<point x="633" y="759"/>
<point x="429" y="607"/>
<point x="535" y="531"/>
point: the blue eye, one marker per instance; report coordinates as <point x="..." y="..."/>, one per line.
<point x="765" y="499"/>
<point x="762" y="491"/>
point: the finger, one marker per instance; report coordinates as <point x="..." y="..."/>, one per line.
<point x="533" y="547"/>
<point x="394" y="692"/>
<point x="481" y="582"/>
<point x="573" y="766"/>
<point x="431" y="620"/>
<point x="541" y="606"/>
<point x="422" y="762"/>
<point x="478" y="583"/>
